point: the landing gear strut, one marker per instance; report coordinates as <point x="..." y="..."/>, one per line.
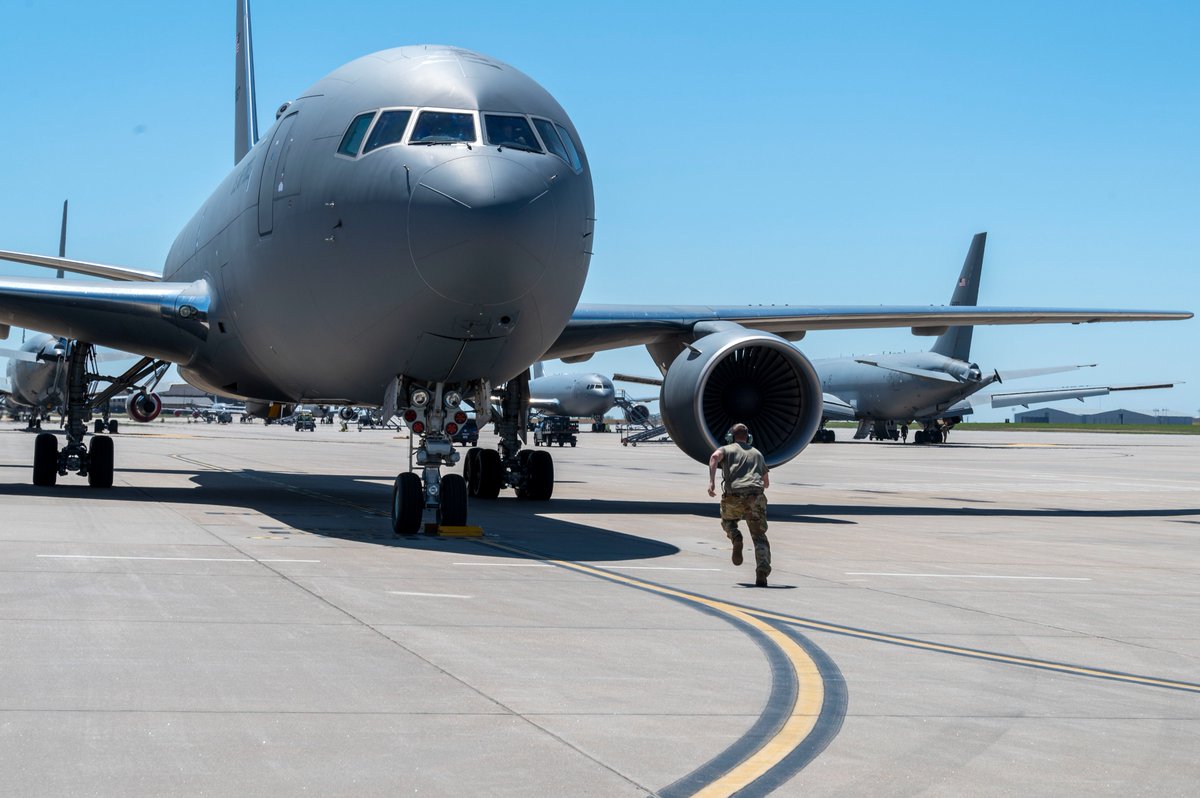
<point x="94" y="461"/>
<point x="432" y="500"/>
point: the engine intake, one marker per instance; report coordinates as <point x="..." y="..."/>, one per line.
<point x="144" y="407"/>
<point x="740" y="375"/>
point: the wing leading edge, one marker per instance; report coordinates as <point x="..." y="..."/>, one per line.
<point x="160" y="320"/>
<point x="82" y="267"/>
<point x="596" y="328"/>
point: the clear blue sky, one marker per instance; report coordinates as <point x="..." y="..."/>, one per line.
<point x="753" y="152"/>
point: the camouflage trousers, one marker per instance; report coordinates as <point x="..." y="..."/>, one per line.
<point x="753" y="510"/>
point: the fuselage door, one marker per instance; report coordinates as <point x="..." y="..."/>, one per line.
<point x="271" y="182"/>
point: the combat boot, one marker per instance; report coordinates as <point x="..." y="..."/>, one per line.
<point x="760" y="579"/>
<point x="737" y="550"/>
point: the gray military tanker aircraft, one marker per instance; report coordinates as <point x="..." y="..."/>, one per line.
<point x="931" y="388"/>
<point x="581" y="394"/>
<point x="458" y="189"/>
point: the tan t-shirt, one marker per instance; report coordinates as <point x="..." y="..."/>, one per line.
<point x="742" y="467"/>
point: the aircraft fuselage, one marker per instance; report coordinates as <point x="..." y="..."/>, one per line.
<point x="330" y="274"/>
<point x="880" y="392"/>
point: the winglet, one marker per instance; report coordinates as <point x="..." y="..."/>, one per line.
<point x="62" y="240"/>
<point x="245" y="122"/>
<point x="956" y="342"/>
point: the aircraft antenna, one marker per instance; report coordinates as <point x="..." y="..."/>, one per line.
<point x="245" y="123"/>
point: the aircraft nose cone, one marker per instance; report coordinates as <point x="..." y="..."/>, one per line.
<point x="481" y="229"/>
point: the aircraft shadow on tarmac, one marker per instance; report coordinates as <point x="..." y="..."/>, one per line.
<point x="355" y="508"/>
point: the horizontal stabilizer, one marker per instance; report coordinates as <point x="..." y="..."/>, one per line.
<point x="82" y="267"/>
<point x="927" y="374"/>
<point x="1017" y="374"/>
<point x="1026" y="398"/>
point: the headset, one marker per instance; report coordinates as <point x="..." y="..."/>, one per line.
<point x="749" y="437"/>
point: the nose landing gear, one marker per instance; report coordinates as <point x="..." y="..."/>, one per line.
<point x="433" y="500"/>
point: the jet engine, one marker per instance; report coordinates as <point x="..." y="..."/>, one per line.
<point x="637" y="414"/>
<point x="348" y="413"/>
<point x="144" y="407"/>
<point x="740" y="375"/>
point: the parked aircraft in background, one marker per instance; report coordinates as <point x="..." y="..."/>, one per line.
<point x="931" y="388"/>
<point x="582" y="395"/>
<point x="457" y="188"/>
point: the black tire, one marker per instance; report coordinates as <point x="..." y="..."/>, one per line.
<point x="572" y="444"/>
<point x="935" y="436"/>
<point x="539" y="477"/>
<point x="919" y="436"/>
<point x="491" y="474"/>
<point x="100" y="462"/>
<point x="45" y="460"/>
<point x="112" y="426"/>
<point x="471" y="471"/>
<point x="454" y="500"/>
<point x="98" y="426"/>
<point x="408" y="502"/>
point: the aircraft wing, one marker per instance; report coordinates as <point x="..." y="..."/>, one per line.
<point x="596" y="328"/>
<point x="159" y="320"/>
<point x="82" y="267"/>
<point x="837" y="409"/>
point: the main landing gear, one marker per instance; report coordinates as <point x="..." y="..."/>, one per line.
<point x="431" y="500"/>
<point x="94" y="460"/>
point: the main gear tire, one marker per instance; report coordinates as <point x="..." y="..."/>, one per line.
<point x="100" y="462"/>
<point x="45" y="460"/>
<point x="408" y="502"/>
<point x="454" y="501"/>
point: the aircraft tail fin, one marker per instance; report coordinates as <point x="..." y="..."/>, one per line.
<point x="956" y="341"/>
<point x="245" y="121"/>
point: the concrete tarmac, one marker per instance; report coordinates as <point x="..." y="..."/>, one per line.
<point x="1009" y="614"/>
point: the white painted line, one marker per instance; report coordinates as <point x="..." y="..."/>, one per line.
<point x="652" y="568"/>
<point x="975" y="576"/>
<point x="172" y="559"/>
<point x="507" y="564"/>
<point x="430" y="595"/>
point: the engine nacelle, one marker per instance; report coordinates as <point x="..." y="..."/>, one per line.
<point x="271" y="411"/>
<point x="144" y="407"/>
<point x="739" y="375"/>
<point x="348" y="413"/>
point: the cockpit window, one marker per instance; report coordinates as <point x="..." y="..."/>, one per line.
<point x="388" y="130"/>
<point x="572" y="152"/>
<point x="443" y="127"/>
<point x="551" y="139"/>
<point x="510" y="131"/>
<point x="354" y="134"/>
